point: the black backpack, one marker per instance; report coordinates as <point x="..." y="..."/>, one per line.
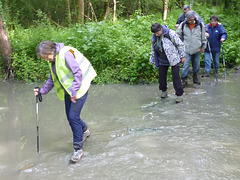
<point x="184" y="23"/>
<point x="168" y="36"/>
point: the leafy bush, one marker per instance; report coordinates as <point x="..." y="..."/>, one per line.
<point x="118" y="51"/>
<point x="25" y="63"/>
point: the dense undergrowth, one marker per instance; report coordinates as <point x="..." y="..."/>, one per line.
<point x="119" y="51"/>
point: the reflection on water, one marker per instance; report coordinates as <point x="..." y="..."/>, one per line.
<point x="135" y="134"/>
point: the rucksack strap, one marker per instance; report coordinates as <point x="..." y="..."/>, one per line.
<point x="184" y="23"/>
<point x="168" y="36"/>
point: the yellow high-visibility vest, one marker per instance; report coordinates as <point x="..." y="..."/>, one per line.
<point x="64" y="79"/>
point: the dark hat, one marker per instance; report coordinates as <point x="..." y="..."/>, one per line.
<point x="186" y="7"/>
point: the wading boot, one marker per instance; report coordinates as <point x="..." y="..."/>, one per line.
<point x="195" y="79"/>
<point x="164" y="94"/>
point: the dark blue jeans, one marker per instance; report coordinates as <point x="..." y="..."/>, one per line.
<point x="73" y="111"/>
<point x="195" y="58"/>
<point x="208" y="60"/>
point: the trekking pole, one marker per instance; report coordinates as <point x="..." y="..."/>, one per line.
<point x="223" y="61"/>
<point x="38" y="97"/>
<point x="212" y="61"/>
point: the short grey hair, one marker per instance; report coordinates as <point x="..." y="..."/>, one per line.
<point x="45" y="48"/>
<point x="190" y="14"/>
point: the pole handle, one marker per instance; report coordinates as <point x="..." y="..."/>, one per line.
<point x="39" y="96"/>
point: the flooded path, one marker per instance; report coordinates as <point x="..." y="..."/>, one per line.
<point x="135" y="134"/>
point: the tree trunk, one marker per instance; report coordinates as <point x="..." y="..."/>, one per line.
<point x="107" y="9"/>
<point x="5" y="49"/>
<point x="146" y="7"/>
<point x="69" y="12"/>
<point x="139" y="7"/>
<point x="179" y="3"/>
<point x="92" y="11"/>
<point x="114" y="10"/>
<point x="88" y="11"/>
<point x="75" y="6"/>
<point x="191" y="4"/>
<point x="81" y="11"/>
<point x="165" y="10"/>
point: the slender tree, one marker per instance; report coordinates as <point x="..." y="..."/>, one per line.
<point x="5" y="49"/>
<point x="107" y="9"/>
<point x="165" y="10"/>
<point x="114" y="10"/>
<point x="191" y="4"/>
<point x="69" y="11"/>
<point x="81" y="11"/>
<point x="92" y="11"/>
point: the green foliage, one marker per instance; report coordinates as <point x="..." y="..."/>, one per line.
<point x="24" y="42"/>
<point x="24" y="12"/>
<point x="228" y="19"/>
<point x="118" y="51"/>
<point x="29" y="69"/>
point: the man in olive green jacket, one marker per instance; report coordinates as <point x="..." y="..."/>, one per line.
<point x="192" y="33"/>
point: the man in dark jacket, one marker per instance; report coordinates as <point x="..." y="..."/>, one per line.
<point x="217" y="35"/>
<point x="182" y="17"/>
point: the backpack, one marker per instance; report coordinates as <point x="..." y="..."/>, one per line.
<point x="184" y="23"/>
<point x="168" y="36"/>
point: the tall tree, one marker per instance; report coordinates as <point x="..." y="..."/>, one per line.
<point x="69" y="11"/>
<point x="179" y="3"/>
<point x="114" y="10"/>
<point x="5" y="49"/>
<point x="107" y="2"/>
<point x="92" y="11"/>
<point x="165" y="9"/>
<point x="191" y="4"/>
<point x="81" y="11"/>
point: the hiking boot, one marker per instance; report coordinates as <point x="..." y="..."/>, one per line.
<point x="184" y="82"/>
<point x="164" y="94"/>
<point x="77" y="155"/>
<point x="86" y="134"/>
<point x="216" y="72"/>
<point x="195" y="79"/>
<point x="206" y="75"/>
<point x="179" y="99"/>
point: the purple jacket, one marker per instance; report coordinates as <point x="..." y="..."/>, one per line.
<point x="72" y="64"/>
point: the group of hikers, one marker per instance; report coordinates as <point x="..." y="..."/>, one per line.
<point x="185" y="45"/>
<point x="71" y="73"/>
